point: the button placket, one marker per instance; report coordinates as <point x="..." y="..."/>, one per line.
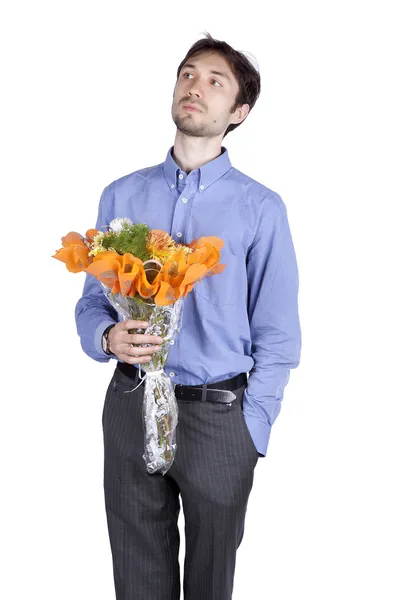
<point x="180" y="220"/>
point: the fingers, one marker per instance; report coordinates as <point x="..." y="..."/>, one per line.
<point x="135" y="355"/>
<point x="133" y="324"/>
<point x="138" y="354"/>
<point x="121" y="334"/>
<point x="141" y="338"/>
<point x="137" y="338"/>
<point x="140" y="351"/>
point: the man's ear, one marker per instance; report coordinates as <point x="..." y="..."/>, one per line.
<point x="241" y="113"/>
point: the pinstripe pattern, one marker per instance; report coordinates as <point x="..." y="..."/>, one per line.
<point x="212" y="473"/>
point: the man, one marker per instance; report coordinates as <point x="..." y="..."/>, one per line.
<point x="242" y="320"/>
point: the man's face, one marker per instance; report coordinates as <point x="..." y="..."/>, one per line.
<point x="214" y="95"/>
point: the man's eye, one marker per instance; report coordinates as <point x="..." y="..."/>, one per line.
<point x="212" y="79"/>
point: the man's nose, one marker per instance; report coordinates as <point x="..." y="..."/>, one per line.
<point x="196" y="90"/>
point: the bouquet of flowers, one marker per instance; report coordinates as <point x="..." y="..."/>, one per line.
<point x="146" y="275"/>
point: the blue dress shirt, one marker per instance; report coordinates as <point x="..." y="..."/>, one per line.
<point x="243" y="320"/>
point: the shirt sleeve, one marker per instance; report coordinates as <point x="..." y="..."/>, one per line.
<point x="273" y="285"/>
<point x="93" y="311"/>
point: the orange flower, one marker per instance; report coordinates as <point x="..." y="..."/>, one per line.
<point x="128" y="272"/>
<point x="160" y="244"/>
<point x="132" y="278"/>
<point x="170" y="277"/>
<point x="105" y="267"/>
<point x="74" y="252"/>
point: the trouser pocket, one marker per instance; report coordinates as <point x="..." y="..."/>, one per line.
<point x="239" y="396"/>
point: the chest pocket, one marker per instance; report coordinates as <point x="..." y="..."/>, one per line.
<point x="226" y="288"/>
<point x="217" y="290"/>
<point x="229" y="287"/>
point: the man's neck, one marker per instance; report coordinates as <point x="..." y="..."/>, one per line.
<point x="190" y="153"/>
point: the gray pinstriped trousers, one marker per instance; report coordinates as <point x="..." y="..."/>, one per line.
<point x="212" y="472"/>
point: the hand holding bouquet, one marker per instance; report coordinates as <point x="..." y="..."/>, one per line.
<point x="146" y="275"/>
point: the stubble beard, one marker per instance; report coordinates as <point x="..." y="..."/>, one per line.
<point x="187" y="126"/>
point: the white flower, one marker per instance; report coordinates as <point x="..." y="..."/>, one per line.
<point x="116" y="224"/>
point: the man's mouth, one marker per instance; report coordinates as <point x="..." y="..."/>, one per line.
<point x="191" y="107"/>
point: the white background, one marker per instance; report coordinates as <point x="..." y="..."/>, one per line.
<point x="86" y="98"/>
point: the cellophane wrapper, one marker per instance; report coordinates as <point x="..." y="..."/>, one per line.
<point x="160" y="408"/>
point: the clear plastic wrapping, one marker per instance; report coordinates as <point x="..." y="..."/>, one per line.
<point x="160" y="408"/>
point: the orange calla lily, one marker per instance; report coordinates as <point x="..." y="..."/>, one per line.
<point x="72" y="238"/>
<point x="74" y="256"/>
<point x="128" y="272"/>
<point x="132" y="278"/>
<point x="194" y="274"/>
<point x="74" y="252"/>
<point x="105" y="267"/>
<point x="144" y="288"/>
<point x="166" y="294"/>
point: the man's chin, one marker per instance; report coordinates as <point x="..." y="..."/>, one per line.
<point x="183" y="128"/>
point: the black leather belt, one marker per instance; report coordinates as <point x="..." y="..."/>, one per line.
<point x="220" y="391"/>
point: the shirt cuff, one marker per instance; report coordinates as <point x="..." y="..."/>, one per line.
<point x="260" y="432"/>
<point x="97" y="339"/>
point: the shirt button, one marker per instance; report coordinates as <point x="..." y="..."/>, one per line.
<point x="180" y="176"/>
<point x="172" y="342"/>
<point x="172" y="186"/>
<point x="184" y="199"/>
<point x="172" y="374"/>
<point x="202" y="187"/>
<point x="179" y="234"/>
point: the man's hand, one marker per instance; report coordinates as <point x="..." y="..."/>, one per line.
<point x="120" y="342"/>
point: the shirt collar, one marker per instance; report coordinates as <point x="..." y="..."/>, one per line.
<point x="205" y="175"/>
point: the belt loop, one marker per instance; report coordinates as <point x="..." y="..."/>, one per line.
<point x="204" y="393"/>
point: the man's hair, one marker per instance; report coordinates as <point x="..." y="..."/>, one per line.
<point x="247" y="76"/>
